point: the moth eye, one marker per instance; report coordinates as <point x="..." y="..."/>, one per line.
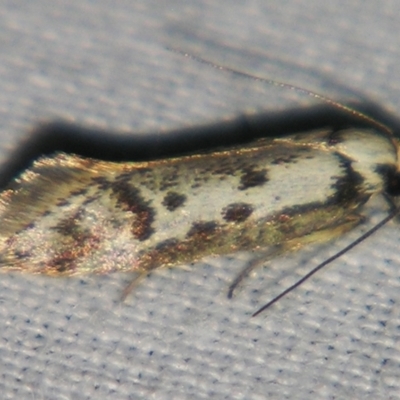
<point x="391" y="177"/>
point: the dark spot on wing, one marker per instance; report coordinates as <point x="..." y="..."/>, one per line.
<point x="130" y="199"/>
<point x="170" y="178"/>
<point x="202" y="230"/>
<point x="237" y="212"/>
<point x="252" y="178"/>
<point x="64" y="263"/>
<point x="102" y="183"/>
<point x="68" y="227"/>
<point x="166" y="244"/>
<point x="90" y="199"/>
<point x="75" y="242"/>
<point x="79" y="192"/>
<point x="225" y="167"/>
<point x="71" y="228"/>
<point x="285" y="159"/>
<point x="173" y="200"/>
<point x="347" y="187"/>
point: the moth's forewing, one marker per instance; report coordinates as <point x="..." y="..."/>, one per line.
<point x="69" y="215"/>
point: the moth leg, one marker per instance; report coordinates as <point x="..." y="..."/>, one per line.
<point x="254" y="263"/>
<point x="132" y="284"/>
<point x="321" y="236"/>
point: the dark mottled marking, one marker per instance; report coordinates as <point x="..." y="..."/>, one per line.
<point x="166" y="244"/>
<point x="141" y="171"/>
<point x="102" y="183"/>
<point x="245" y="242"/>
<point x="79" y="192"/>
<point x="173" y="200"/>
<point x="90" y="199"/>
<point x="347" y="187"/>
<point x="252" y="178"/>
<point x="130" y="199"/>
<point x="202" y="230"/>
<point x="169" y="180"/>
<point x="65" y="262"/>
<point x="287" y="159"/>
<point x="76" y="241"/>
<point x="225" y="169"/>
<point x="201" y="178"/>
<point x="237" y="212"/>
<point x="68" y="227"/>
<point x="71" y="228"/>
<point x="224" y="172"/>
<point x="63" y="202"/>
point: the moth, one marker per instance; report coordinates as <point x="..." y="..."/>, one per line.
<point x="68" y="215"/>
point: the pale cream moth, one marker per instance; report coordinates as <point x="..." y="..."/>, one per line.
<point x="69" y="215"/>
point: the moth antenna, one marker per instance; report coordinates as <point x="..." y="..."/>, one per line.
<point x="298" y="89"/>
<point x="364" y="236"/>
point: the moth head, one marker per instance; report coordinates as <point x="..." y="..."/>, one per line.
<point x="391" y="176"/>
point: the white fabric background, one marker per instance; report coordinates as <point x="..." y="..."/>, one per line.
<point x="104" y="64"/>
